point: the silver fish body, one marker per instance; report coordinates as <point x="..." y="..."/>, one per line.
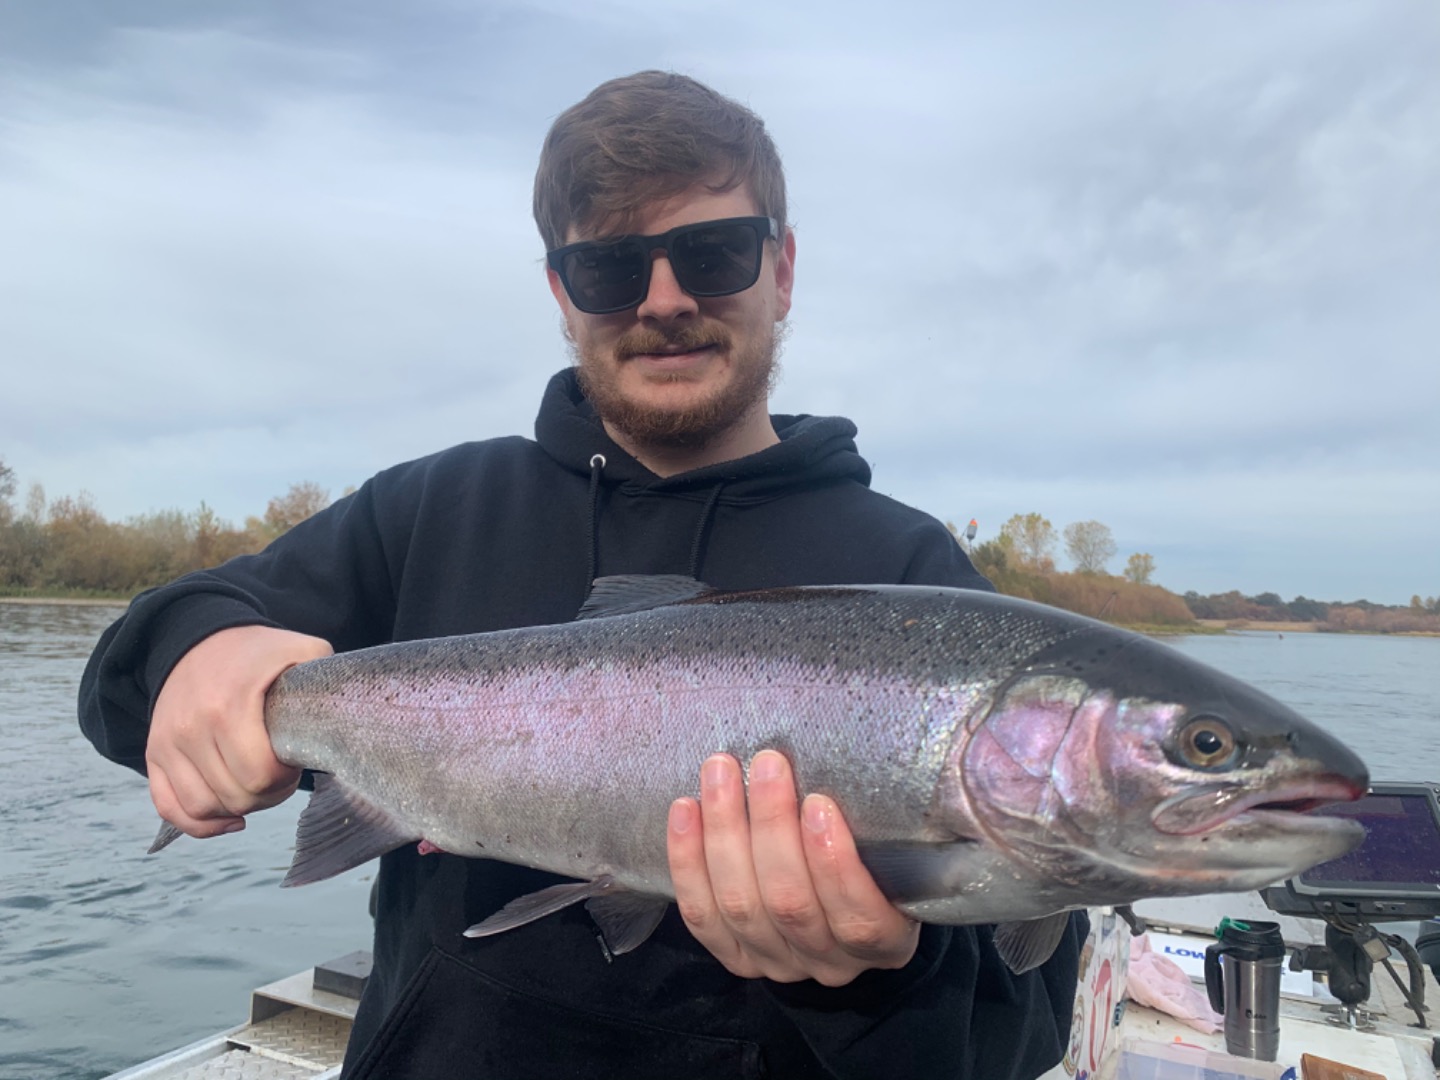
<point x="1000" y="761"/>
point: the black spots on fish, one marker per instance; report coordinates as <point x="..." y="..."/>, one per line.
<point x="926" y="634"/>
<point x="1087" y="660"/>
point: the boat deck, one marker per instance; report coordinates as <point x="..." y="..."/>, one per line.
<point x="298" y="1026"/>
<point x="297" y="1030"/>
<point x="1385" y="1040"/>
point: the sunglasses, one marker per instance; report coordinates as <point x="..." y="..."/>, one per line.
<point x="708" y="258"/>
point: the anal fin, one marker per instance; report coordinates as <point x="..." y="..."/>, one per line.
<point x="339" y="830"/>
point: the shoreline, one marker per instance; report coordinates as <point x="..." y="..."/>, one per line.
<point x="1257" y="624"/>
<point x="63" y="601"/>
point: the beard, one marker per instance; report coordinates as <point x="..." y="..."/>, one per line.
<point x="755" y="370"/>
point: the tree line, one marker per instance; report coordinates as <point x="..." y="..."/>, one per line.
<point x="1020" y="561"/>
<point x="66" y="546"/>
<point x="1421" y="615"/>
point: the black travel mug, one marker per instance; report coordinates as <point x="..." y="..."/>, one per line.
<point x="1242" y="977"/>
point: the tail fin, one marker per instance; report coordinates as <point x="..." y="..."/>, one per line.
<point x="164" y="838"/>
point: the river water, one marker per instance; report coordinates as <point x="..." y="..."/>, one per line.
<point x="109" y="956"/>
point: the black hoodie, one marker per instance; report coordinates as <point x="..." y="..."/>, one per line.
<point x="510" y="532"/>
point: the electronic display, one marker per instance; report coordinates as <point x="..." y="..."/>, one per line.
<point x="1394" y="874"/>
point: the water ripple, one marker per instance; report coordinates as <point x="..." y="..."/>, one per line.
<point x="140" y="953"/>
<point x="26" y="903"/>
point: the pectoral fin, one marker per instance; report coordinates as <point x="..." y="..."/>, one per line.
<point x="908" y="872"/>
<point x="1027" y="945"/>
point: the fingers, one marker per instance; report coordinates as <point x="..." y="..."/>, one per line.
<point x="195" y="812"/>
<point x="770" y="896"/>
<point x="787" y="890"/>
<point x="694" y="894"/>
<point x="244" y="765"/>
<point x="720" y="832"/>
<point x="208" y="753"/>
<point x="865" y="924"/>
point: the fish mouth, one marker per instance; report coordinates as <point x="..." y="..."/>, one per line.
<point x="1288" y="806"/>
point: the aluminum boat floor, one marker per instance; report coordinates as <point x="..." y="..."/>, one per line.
<point x="296" y="1032"/>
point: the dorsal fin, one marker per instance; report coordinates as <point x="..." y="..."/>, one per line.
<point x="623" y="594"/>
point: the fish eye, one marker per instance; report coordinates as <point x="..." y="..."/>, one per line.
<point x="1206" y="742"/>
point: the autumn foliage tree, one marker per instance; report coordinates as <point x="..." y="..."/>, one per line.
<point x="1090" y="546"/>
<point x="67" y="546"/>
<point x="7" y="493"/>
<point x="1139" y="568"/>
<point x="1032" y="541"/>
<point x="284" y="512"/>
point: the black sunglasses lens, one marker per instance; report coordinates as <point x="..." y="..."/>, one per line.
<point x="607" y="277"/>
<point x="717" y="260"/>
<point x="709" y="259"/>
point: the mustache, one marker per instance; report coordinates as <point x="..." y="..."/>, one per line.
<point x="653" y="340"/>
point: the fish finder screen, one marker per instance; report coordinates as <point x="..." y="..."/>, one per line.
<point x="1402" y="845"/>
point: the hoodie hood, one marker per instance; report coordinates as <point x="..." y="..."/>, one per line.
<point x="811" y="449"/>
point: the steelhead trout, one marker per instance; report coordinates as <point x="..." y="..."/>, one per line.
<point x="999" y="761"/>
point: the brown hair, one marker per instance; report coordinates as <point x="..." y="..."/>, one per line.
<point x="646" y="137"/>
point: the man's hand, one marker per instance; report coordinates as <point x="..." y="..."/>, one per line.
<point x="779" y="893"/>
<point x="208" y="754"/>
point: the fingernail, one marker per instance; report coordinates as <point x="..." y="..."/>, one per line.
<point x="234" y="826"/>
<point x="682" y="816"/>
<point x="766" y="766"/>
<point x="815" y="812"/>
<point x="712" y="773"/>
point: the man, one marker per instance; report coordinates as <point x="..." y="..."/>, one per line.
<point x="662" y="205"/>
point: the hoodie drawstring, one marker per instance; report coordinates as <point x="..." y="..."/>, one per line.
<point x="705" y="516"/>
<point x="597" y="465"/>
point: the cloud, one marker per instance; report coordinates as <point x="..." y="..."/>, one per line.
<point x="1136" y="265"/>
<point x="285" y="265"/>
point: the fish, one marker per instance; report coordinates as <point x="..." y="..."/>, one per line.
<point x="998" y="761"/>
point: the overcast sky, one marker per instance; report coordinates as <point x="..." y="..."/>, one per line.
<point x="1168" y="264"/>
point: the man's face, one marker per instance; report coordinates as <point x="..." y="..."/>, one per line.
<point x="678" y="371"/>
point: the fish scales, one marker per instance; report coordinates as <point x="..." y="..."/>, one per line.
<point x="589" y="730"/>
